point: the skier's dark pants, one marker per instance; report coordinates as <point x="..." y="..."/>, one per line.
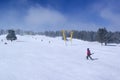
<point x="89" y="57"/>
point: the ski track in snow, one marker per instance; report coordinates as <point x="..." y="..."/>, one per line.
<point x="29" y="58"/>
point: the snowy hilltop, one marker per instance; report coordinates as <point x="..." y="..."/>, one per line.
<point x="45" y="58"/>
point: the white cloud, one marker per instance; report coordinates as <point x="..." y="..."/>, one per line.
<point x="39" y="16"/>
<point x="113" y="17"/>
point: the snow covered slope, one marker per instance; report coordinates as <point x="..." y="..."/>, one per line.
<point x="44" y="58"/>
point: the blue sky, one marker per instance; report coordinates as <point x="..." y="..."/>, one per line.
<point x="41" y="15"/>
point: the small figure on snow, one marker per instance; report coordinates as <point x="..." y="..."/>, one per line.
<point x="89" y="54"/>
<point x="49" y="41"/>
<point x="41" y="40"/>
<point x="1" y="40"/>
<point x="5" y="43"/>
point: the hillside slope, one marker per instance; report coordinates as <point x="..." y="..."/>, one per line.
<point x="44" y="58"/>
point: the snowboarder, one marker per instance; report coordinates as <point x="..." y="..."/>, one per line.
<point x="89" y="54"/>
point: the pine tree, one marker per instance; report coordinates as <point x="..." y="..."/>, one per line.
<point x="102" y="35"/>
<point x="11" y="35"/>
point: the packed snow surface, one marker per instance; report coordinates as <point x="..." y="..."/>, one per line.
<point x="45" y="58"/>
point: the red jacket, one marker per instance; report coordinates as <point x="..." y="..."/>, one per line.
<point x="88" y="52"/>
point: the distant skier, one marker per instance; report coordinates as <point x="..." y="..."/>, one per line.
<point x="89" y="54"/>
<point x="1" y="40"/>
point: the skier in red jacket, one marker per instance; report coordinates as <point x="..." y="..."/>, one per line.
<point x="89" y="54"/>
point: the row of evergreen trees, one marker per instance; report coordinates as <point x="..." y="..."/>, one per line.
<point x="101" y="35"/>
